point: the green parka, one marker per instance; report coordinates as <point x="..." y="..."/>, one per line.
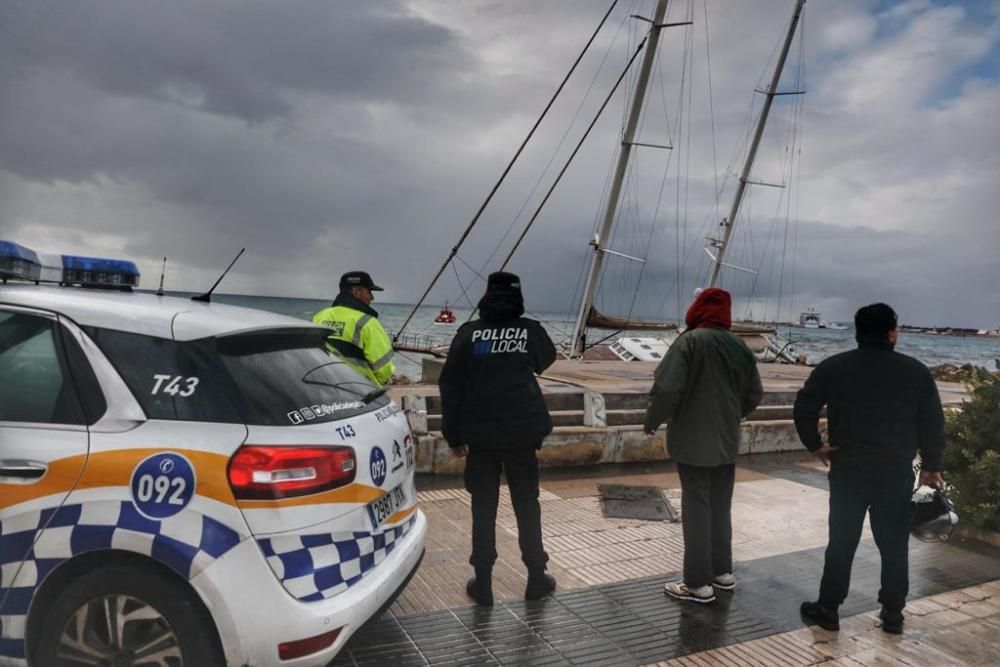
<point x="702" y="389"/>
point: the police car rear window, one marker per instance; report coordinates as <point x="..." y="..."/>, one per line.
<point x="177" y="380"/>
<point x="288" y="378"/>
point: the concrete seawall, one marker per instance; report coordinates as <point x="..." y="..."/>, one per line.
<point x="598" y="409"/>
<point x="591" y="442"/>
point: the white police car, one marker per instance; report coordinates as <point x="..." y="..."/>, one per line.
<point x="187" y="483"/>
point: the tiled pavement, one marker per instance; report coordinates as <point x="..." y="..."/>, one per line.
<point x="610" y="608"/>
<point x="958" y="627"/>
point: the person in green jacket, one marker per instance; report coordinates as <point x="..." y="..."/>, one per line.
<point x="356" y="335"/>
<point x="705" y="385"/>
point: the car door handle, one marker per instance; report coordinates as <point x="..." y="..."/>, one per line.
<point x="22" y="470"/>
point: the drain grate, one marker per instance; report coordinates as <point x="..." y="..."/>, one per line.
<point x="622" y="501"/>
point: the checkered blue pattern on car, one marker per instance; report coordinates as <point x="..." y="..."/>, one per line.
<point x="186" y="542"/>
<point x="317" y="567"/>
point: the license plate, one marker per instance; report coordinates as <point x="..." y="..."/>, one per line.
<point x="383" y="508"/>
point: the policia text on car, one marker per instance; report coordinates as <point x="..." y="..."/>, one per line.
<point x="357" y="336"/>
<point x="493" y="412"/>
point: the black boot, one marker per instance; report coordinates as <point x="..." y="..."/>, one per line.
<point x="813" y="613"/>
<point x="480" y="587"/>
<point x="892" y="621"/>
<point x="540" y="585"/>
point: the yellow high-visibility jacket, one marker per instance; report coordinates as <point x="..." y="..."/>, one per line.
<point x="358" y="338"/>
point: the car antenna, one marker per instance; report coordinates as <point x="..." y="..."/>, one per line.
<point x="163" y="272"/>
<point x="207" y="296"/>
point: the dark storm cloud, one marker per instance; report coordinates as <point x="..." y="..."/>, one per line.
<point x="327" y="136"/>
<point x="232" y="57"/>
<point x="102" y="86"/>
<point x="901" y="268"/>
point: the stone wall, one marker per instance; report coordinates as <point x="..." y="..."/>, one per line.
<point x="586" y="438"/>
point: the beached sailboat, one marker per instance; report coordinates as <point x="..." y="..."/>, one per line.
<point x="761" y="338"/>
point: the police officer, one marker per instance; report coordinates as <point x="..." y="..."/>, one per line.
<point x="883" y="407"/>
<point x="494" y="414"/>
<point x="358" y="337"/>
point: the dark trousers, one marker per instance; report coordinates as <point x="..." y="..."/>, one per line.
<point x="884" y="493"/>
<point x="482" y="481"/>
<point x="706" y="504"/>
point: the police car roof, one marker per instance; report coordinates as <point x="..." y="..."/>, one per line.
<point x="146" y="313"/>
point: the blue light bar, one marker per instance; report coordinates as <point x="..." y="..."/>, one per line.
<point x="18" y="262"/>
<point x="99" y="272"/>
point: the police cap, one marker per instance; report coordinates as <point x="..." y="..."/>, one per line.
<point x="358" y="279"/>
<point x="501" y="281"/>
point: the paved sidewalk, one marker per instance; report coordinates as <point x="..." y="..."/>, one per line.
<point x="610" y="608"/>
<point x="959" y="627"/>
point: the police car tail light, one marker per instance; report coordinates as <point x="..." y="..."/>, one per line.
<point x="270" y="473"/>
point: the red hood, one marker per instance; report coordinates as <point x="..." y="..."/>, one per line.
<point x="711" y="308"/>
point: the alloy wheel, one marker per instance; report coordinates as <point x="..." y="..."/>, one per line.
<point x="118" y="631"/>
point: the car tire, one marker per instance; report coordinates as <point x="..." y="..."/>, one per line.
<point x="167" y="618"/>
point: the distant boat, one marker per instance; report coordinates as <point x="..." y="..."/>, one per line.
<point x="810" y="319"/>
<point x="446" y="316"/>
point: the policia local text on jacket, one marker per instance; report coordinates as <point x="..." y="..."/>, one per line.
<point x="882" y="408"/>
<point x="357" y="337"/>
<point x="492" y="404"/>
<point x="705" y="385"/>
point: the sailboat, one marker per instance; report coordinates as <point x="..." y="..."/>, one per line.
<point x="763" y="339"/>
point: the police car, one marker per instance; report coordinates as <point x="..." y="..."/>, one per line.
<point x="187" y="483"/>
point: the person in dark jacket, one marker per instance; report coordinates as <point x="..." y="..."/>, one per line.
<point x="882" y="408"/>
<point x="705" y="385"/>
<point x="493" y="413"/>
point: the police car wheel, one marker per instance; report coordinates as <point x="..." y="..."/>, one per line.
<point x="123" y="617"/>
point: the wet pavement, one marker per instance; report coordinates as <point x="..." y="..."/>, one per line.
<point x="611" y="609"/>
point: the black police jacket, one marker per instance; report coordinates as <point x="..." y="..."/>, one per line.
<point x="489" y="395"/>
<point x="882" y="407"/>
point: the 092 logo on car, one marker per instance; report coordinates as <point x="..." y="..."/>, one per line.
<point x="378" y="466"/>
<point x="162" y="485"/>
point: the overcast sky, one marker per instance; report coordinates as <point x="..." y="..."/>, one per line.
<point x="329" y="136"/>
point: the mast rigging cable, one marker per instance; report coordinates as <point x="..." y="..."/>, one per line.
<point x="503" y="176"/>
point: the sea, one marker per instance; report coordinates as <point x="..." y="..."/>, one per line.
<point x="816" y="344"/>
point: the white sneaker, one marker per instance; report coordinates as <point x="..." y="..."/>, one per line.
<point x="681" y="591"/>
<point x="725" y="582"/>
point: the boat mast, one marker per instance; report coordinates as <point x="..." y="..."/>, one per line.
<point x="590" y="289"/>
<point x="727" y="223"/>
